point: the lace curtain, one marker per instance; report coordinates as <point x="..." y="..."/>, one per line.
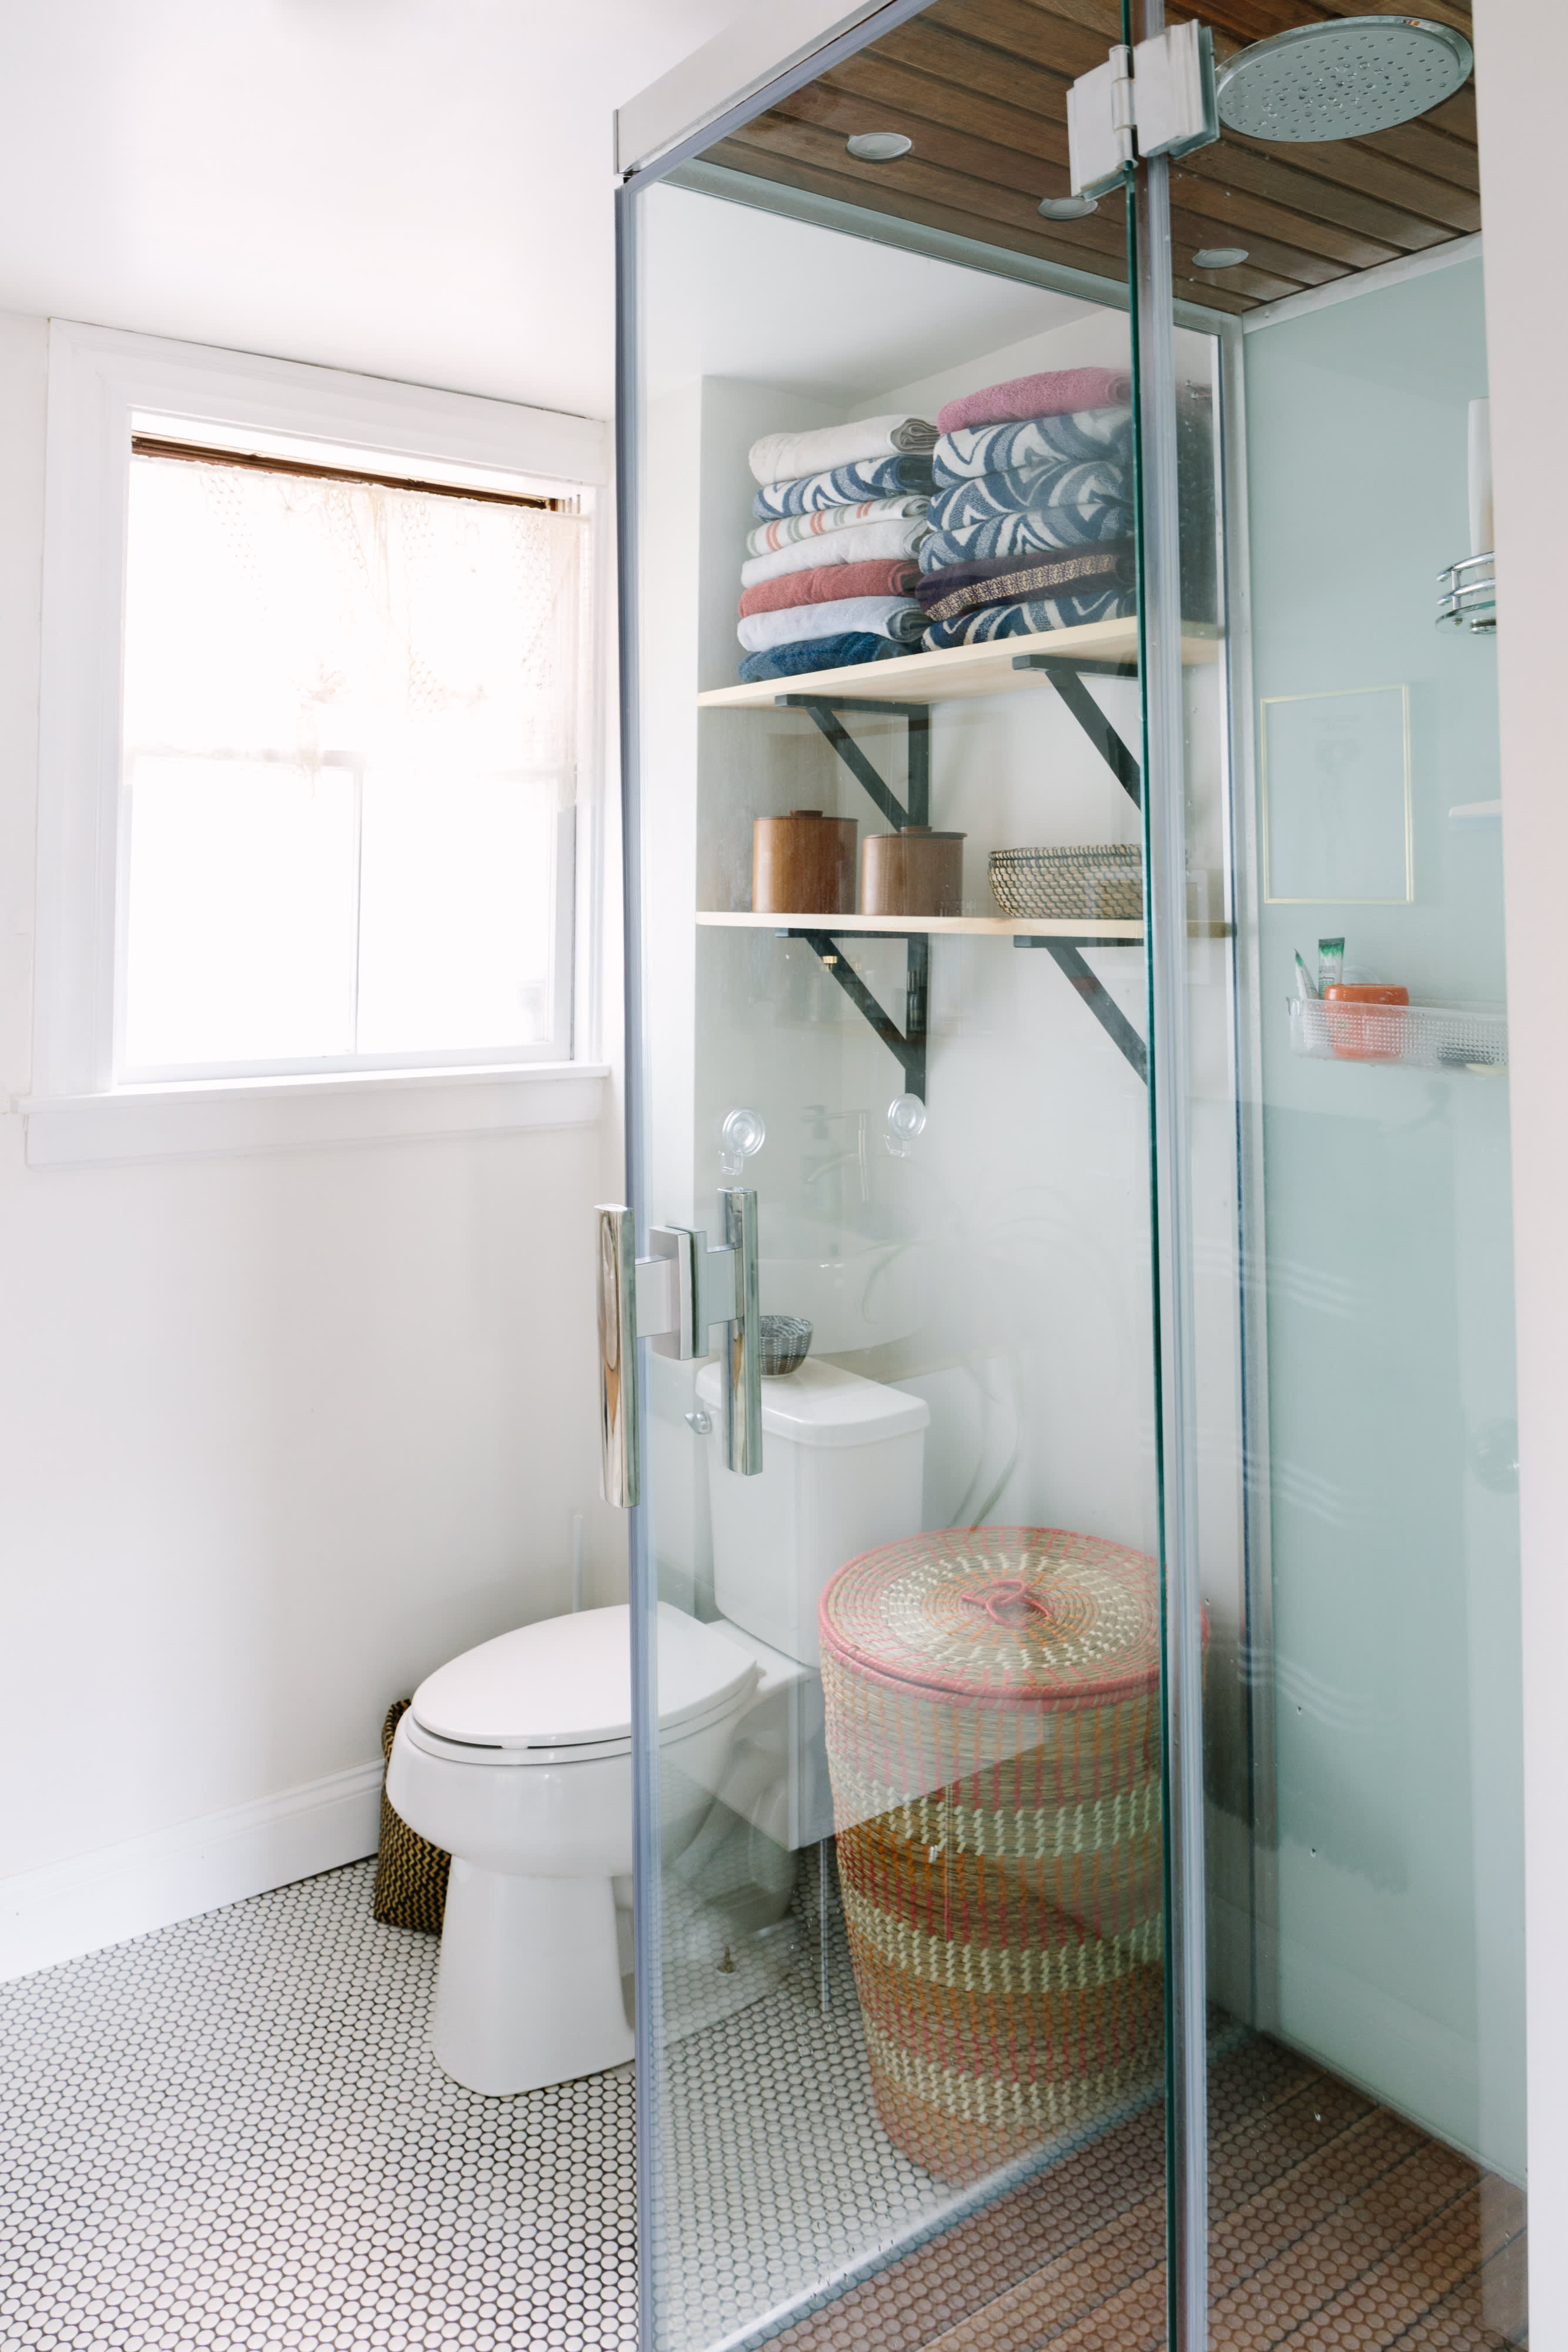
<point x="273" y="614"/>
<point x="351" y="721"/>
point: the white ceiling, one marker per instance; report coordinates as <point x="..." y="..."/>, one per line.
<point x="417" y="188"/>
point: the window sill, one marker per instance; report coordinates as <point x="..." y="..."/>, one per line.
<point x="228" y="1117"/>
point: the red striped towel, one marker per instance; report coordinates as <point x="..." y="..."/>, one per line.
<point x="827" y="583"/>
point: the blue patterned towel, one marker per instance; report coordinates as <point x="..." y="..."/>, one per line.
<point x="1038" y="530"/>
<point x="819" y="653"/>
<point x="1030" y="618"/>
<point x="845" y="486"/>
<point x="1075" y="440"/>
<point x="1031" y="487"/>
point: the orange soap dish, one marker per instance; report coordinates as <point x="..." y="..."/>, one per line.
<point x="1366" y="1021"/>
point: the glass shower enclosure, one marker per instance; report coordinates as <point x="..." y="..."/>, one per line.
<point x="1056" y="1349"/>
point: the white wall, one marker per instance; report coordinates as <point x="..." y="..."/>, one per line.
<point x="1521" y="67"/>
<point x="278" y="1434"/>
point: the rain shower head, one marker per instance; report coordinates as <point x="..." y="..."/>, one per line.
<point x="1342" y="79"/>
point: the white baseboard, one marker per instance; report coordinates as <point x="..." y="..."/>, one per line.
<point x="70" y="1907"/>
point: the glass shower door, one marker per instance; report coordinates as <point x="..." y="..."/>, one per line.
<point x="901" y="1920"/>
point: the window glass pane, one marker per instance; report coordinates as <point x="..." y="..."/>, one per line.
<point x="420" y="648"/>
<point x="242" y="912"/>
<point x="455" y="928"/>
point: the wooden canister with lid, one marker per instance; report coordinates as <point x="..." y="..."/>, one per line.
<point x="912" y="872"/>
<point x="803" y="864"/>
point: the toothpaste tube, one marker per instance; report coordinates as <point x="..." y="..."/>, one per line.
<point x="1305" y="987"/>
<point x="1331" y="964"/>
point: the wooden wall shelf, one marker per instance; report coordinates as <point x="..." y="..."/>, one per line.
<point x="900" y="927"/>
<point x="958" y="671"/>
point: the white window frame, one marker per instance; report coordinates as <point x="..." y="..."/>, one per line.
<point x="104" y="385"/>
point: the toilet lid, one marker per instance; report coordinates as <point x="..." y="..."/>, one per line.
<point x="567" y="1681"/>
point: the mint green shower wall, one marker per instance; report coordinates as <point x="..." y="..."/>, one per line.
<point x="1390" y="1346"/>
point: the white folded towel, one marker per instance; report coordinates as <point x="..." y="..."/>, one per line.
<point x="783" y="530"/>
<point x="784" y="456"/>
<point x="867" y="542"/>
<point x="879" y="616"/>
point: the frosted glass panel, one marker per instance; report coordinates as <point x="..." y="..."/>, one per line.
<point x="1386" y="1889"/>
<point x="1336" y="796"/>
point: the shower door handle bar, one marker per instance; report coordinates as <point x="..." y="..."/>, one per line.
<point x="619" y="1469"/>
<point x="743" y="1338"/>
<point x="673" y="1299"/>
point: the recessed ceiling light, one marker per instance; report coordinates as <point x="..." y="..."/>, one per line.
<point x="878" y="146"/>
<point x="1219" y="256"/>
<point x="1068" y="207"/>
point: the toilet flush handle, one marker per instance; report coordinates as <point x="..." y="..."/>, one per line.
<point x="673" y="1298"/>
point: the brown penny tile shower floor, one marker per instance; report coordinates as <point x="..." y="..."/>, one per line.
<point x="231" y="2133"/>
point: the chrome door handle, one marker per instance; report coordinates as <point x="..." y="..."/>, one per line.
<point x="673" y="1298"/>
<point x="619" y="1469"/>
<point x="743" y="1338"/>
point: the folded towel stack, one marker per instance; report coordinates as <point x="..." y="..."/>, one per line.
<point x="833" y="565"/>
<point x="1031" y="527"/>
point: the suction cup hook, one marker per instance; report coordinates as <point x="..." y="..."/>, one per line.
<point x="741" y="1138"/>
<point x="906" y="1120"/>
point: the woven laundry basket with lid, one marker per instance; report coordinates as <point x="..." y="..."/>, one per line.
<point x="993" y="1739"/>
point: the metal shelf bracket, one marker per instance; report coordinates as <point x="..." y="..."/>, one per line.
<point x="1064" y="954"/>
<point x="906" y="1044"/>
<point x="824" y="711"/>
<point x="1068" y="677"/>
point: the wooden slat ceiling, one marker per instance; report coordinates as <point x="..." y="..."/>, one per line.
<point x="981" y="87"/>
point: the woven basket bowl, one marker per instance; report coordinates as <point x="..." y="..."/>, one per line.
<point x="993" y="1740"/>
<point x="1101" y="884"/>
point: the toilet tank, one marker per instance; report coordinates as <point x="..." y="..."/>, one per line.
<point x="841" y="1463"/>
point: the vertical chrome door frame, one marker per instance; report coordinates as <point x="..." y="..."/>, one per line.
<point x="1256" y="1663"/>
<point x="1169" y="1073"/>
<point x="643" y="1596"/>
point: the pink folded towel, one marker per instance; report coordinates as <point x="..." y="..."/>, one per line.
<point x="1057" y="393"/>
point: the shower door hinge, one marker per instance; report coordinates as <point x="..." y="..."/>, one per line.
<point x="1157" y="99"/>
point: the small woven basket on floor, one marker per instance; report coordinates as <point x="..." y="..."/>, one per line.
<point x="411" y="1873"/>
<point x="993" y="1739"/>
<point x="1102" y="884"/>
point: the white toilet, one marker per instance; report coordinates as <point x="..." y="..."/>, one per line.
<point x="515" y="1758"/>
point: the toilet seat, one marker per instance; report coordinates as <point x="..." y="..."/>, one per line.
<point x="560" y="1690"/>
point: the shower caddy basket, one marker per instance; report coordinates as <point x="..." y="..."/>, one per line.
<point x="992" y="1700"/>
<point x="1420" y="1037"/>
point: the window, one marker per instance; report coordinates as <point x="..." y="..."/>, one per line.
<point x="318" y="741"/>
<point x="349" y="743"/>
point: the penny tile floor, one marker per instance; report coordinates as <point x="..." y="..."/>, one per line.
<point x="231" y="2133"/>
